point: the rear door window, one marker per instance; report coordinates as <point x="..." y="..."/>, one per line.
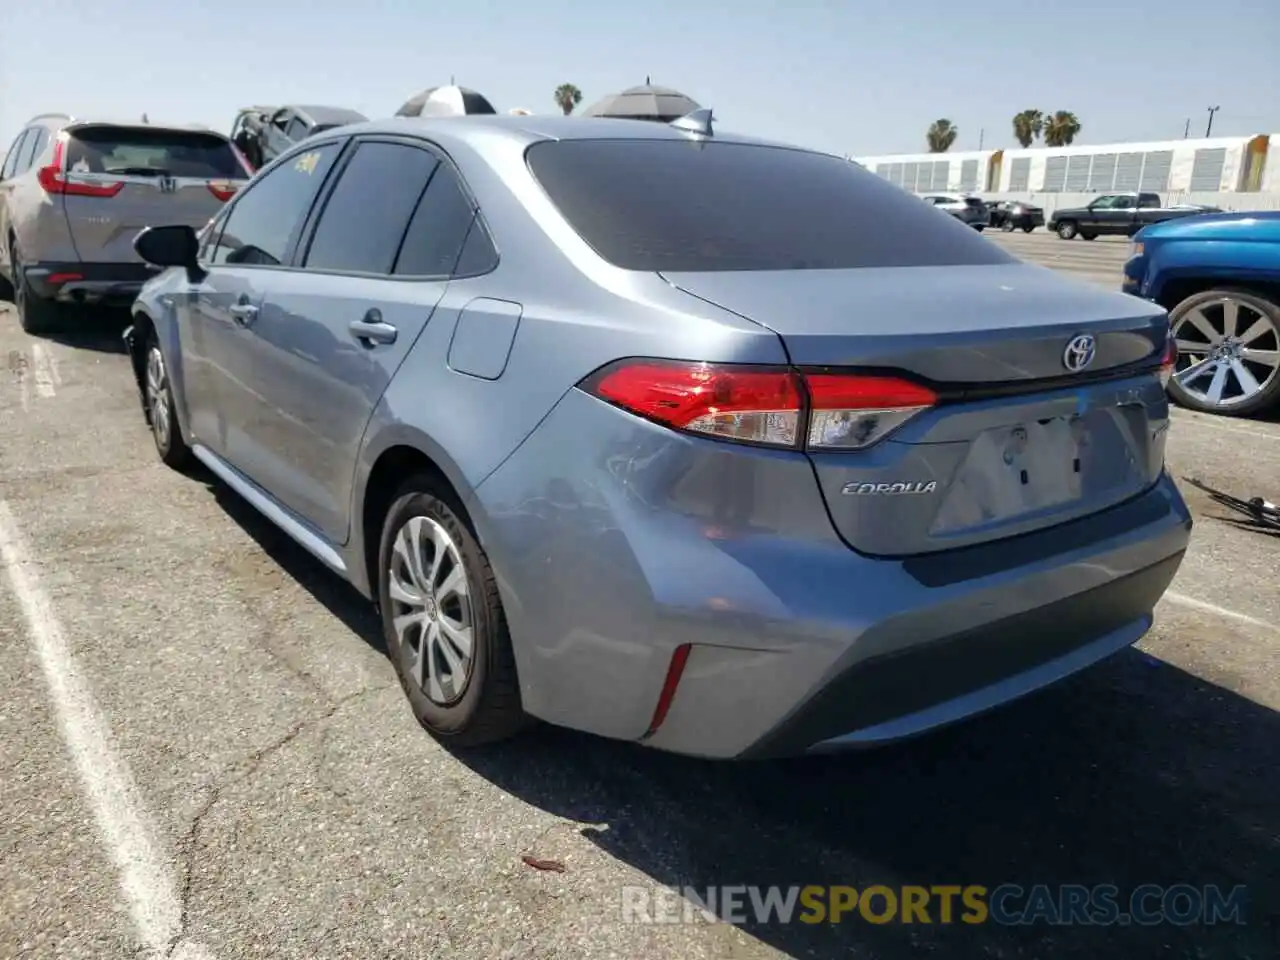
<point x="439" y="228"/>
<point x="298" y="129"/>
<point x="154" y="151"/>
<point x="365" y="216"/>
<point x="41" y="141"/>
<point x="681" y="205"/>
<point x="265" y="221"/>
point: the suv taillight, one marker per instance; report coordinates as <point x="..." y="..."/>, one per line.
<point x="773" y="406"/>
<point x="53" y="179"/>
<point x="224" y="190"/>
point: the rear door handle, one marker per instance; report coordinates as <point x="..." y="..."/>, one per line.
<point x="372" y="329"/>
<point x="243" y="313"/>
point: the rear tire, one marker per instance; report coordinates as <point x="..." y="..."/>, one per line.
<point x="36" y="315"/>
<point x="1067" y="230"/>
<point x="1088" y="236"/>
<point x="160" y="408"/>
<point x="1028" y="229"/>
<point x="1006" y="226"/>
<point x="443" y="621"/>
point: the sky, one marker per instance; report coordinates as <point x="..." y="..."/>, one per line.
<point x="859" y="77"/>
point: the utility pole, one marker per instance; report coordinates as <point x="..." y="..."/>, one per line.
<point x="981" y="133"/>
<point x="1212" y="111"/>
<point x="1187" y="131"/>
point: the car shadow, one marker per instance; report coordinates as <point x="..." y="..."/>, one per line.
<point x="1135" y="772"/>
<point x="98" y="329"/>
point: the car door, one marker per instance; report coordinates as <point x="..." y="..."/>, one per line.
<point x="254" y="247"/>
<point x="375" y="262"/>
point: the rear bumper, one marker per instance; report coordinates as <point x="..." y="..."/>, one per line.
<point x="116" y="283"/>
<point x="617" y="543"/>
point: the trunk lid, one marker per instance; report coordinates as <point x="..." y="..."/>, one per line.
<point x="1019" y="441"/>
<point x="124" y="178"/>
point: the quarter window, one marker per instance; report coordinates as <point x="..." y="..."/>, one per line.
<point x="365" y="217"/>
<point x="11" y="159"/>
<point x="438" y="229"/>
<point x="264" y="221"/>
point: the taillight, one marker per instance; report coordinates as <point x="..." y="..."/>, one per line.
<point x="224" y="190"/>
<point x="53" y="179"/>
<point x="1167" y="360"/>
<point x="775" y="406"/>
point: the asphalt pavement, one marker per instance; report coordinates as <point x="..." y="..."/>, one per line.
<point x="204" y="753"/>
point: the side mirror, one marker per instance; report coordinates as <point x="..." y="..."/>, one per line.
<point x="174" y="246"/>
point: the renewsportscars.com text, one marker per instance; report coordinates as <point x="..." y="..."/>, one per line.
<point x="1007" y="904"/>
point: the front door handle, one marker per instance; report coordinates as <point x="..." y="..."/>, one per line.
<point x="372" y="329"/>
<point x="243" y="313"/>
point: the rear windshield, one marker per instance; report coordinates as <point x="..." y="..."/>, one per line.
<point x="696" y="206"/>
<point x="158" y="152"/>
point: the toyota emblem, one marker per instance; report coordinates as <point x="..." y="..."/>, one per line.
<point x="1079" y="352"/>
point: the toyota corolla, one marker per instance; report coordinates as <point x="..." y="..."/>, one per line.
<point x="722" y="446"/>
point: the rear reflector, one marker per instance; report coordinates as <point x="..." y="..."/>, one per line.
<point x="773" y="406"/>
<point x="63" y="277"/>
<point x="674" y="672"/>
<point x="53" y="179"/>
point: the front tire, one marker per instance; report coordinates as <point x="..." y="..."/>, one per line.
<point x="160" y="408"/>
<point x="1028" y="228"/>
<point x="1067" y="230"/>
<point x="443" y="621"/>
<point x="1006" y="226"/>
<point x="1228" y="361"/>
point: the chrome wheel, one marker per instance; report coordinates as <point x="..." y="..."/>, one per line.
<point x="431" y="609"/>
<point x="158" y="398"/>
<point x="1228" y="352"/>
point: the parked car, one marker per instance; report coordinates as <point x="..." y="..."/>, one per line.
<point x="1118" y="214"/>
<point x="1010" y="215"/>
<point x="263" y="133"/>
<point x="1219" y="276"/>
<point x="74" y="193"/>
<point x="969" y="210"/>
<point x="675" y="446"/>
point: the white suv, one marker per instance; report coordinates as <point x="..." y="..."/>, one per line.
<point x="970" y="210"/>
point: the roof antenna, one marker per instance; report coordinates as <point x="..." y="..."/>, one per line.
<point x="697" y="122"/>
<point x="451" y="83"/>
<point x="647" y="81"/>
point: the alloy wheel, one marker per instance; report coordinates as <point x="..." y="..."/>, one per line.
<point x="158" y="397"/>
<point x="431" y="609"/>
<point x="1228" y="352"/>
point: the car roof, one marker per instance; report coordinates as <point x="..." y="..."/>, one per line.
<point x="322" y="114"/>
<point x="471" y="129"/>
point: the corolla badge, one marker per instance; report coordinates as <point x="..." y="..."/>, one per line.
<point x="1079" y="352"/>
<point x="856" y="489"/>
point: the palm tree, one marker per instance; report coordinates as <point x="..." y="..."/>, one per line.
<point x="1027" y="125"/>
<point x="942" y="134"/>
<point x="567" y="97"/>
<point x="1061" y="128"/>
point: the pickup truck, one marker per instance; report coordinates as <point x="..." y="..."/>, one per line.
<point x="263" y="133"/>
<point x="1122" y="214"/>
<point x="1219" y="278"/>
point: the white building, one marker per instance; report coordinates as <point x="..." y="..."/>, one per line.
<point x="1174" y="168"/>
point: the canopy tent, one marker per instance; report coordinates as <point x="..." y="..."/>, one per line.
<point x="450" y="101"/>
<point x="645" y="102"/>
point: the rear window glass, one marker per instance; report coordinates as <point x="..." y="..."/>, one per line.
<point x="158" y="152"/>
<point x="696" y="206"/>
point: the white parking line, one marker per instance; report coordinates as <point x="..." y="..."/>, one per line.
<point x="46" y="369"/>
<point x="1213" y="608"/>
<point x="116" y="803"/>
<point x="1221" y="425"/>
